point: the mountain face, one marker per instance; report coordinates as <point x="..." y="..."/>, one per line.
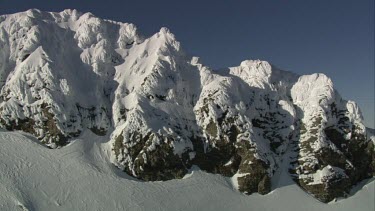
<point x="63" y="73"/>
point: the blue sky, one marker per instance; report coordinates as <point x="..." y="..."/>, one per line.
<point x="334" y="37"/>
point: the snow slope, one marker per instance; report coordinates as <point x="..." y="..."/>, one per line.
<point x="80" y="177"/>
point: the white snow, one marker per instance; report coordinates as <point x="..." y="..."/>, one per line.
<point x="328" y="172"/>
<point x="80" y="177"/>
<point x="371" y="134"/>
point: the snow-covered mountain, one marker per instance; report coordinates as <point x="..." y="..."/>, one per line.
<point x="165" y="112"/>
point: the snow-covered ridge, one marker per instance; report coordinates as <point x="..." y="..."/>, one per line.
<point x="164" y="111"/>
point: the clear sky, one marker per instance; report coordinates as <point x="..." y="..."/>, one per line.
<point x="334" y="37"/>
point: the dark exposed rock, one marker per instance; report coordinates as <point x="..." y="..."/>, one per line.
<point x="329" y="190"/>
<point x="161" y="164"/>
<point x="98" y="131"/>
<point x="350" y="152"/>
<point x="152" y="163"/>
<point x="52" y="134"/>
<point x="216" y="159"/>
<point x="48" y="125"/>
<point x="256" y="178"/>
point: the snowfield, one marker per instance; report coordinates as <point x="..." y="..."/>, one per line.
<point x="81" y="177"/>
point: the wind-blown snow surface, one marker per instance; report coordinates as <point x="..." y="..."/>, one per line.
<point x="80" y="177"/>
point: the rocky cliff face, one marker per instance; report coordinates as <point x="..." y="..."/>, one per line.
<point x="63" y="73"/>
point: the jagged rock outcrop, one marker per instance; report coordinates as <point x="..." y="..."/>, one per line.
<point x="333" y="151"/>
<point x="63" y="73"/>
